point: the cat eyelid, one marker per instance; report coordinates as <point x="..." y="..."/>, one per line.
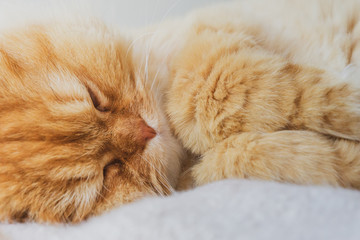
<point x="99" y="100"/>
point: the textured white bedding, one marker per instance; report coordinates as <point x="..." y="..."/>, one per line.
<point x="231" y="209"/>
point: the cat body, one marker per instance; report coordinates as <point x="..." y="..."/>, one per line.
<point x="254" y="90"/>
<point x="261" y="91"/>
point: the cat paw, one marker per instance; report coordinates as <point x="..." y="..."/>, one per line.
<point x="301" y="157"/>
<point x="228" y="159"/>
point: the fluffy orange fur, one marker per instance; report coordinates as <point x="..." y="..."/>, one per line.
<point x="251" y="111"/>
<point x="82" y="119"/>
<point x="74" y="116"/>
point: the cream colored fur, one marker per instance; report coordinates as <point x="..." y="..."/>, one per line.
<point x="300" y="121"/>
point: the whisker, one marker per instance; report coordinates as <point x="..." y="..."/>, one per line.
<point x="135" y="40"/>
<point x="159" y="191"/>
<point x="166" y="184"/>
<point x="170" y="9"/>
<point x="146" y="70"/>
<point x="143" y="182"/>
<point x="149" y="46"/>
<point x="102" y="196"/>
<point x="106" y="188"/>
<point x="154" y="80"/>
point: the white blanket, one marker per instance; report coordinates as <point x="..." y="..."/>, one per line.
<point x="231" y="209"/>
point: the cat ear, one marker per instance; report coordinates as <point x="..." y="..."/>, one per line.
<point x="100" y="101"/>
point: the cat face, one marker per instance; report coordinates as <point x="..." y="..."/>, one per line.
<point x="80" y="131"/>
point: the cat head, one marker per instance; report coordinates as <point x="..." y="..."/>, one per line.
<point x="80" y="130"/>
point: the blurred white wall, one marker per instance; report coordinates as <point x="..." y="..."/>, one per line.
<point x="141" y="12"/>
<point x="128" y="13"/>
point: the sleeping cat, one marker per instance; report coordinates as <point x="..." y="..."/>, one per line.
<point x="271" y="94"/>
<point x="89" y="117"/>
<point x="80" y="132"/>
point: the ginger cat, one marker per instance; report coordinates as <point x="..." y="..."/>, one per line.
<point x="80" y="132"/>
<point x="88" y="116"/>
<point x="264" y="92"/>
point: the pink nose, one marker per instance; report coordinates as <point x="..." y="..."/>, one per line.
<point x="147" y="133"/>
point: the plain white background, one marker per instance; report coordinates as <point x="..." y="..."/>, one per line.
<point x="142" y="12"/>
<point x="122" y="13"/>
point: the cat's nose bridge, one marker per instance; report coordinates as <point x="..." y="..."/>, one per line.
<point x="131" y="134"/>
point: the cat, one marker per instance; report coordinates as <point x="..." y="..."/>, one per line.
<point x="92" y="119"/>
<point x="80" y="132"/>
<point x="272" y="92"/>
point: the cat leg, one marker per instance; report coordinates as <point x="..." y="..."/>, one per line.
<point x="221" y="86"/>
<point x="301" y="157"/>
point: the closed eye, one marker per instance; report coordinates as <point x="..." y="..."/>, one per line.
<point x="99" y="100"/>
<point x="115" y="164"/>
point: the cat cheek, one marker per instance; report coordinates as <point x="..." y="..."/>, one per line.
<point x="120" y="186"/>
